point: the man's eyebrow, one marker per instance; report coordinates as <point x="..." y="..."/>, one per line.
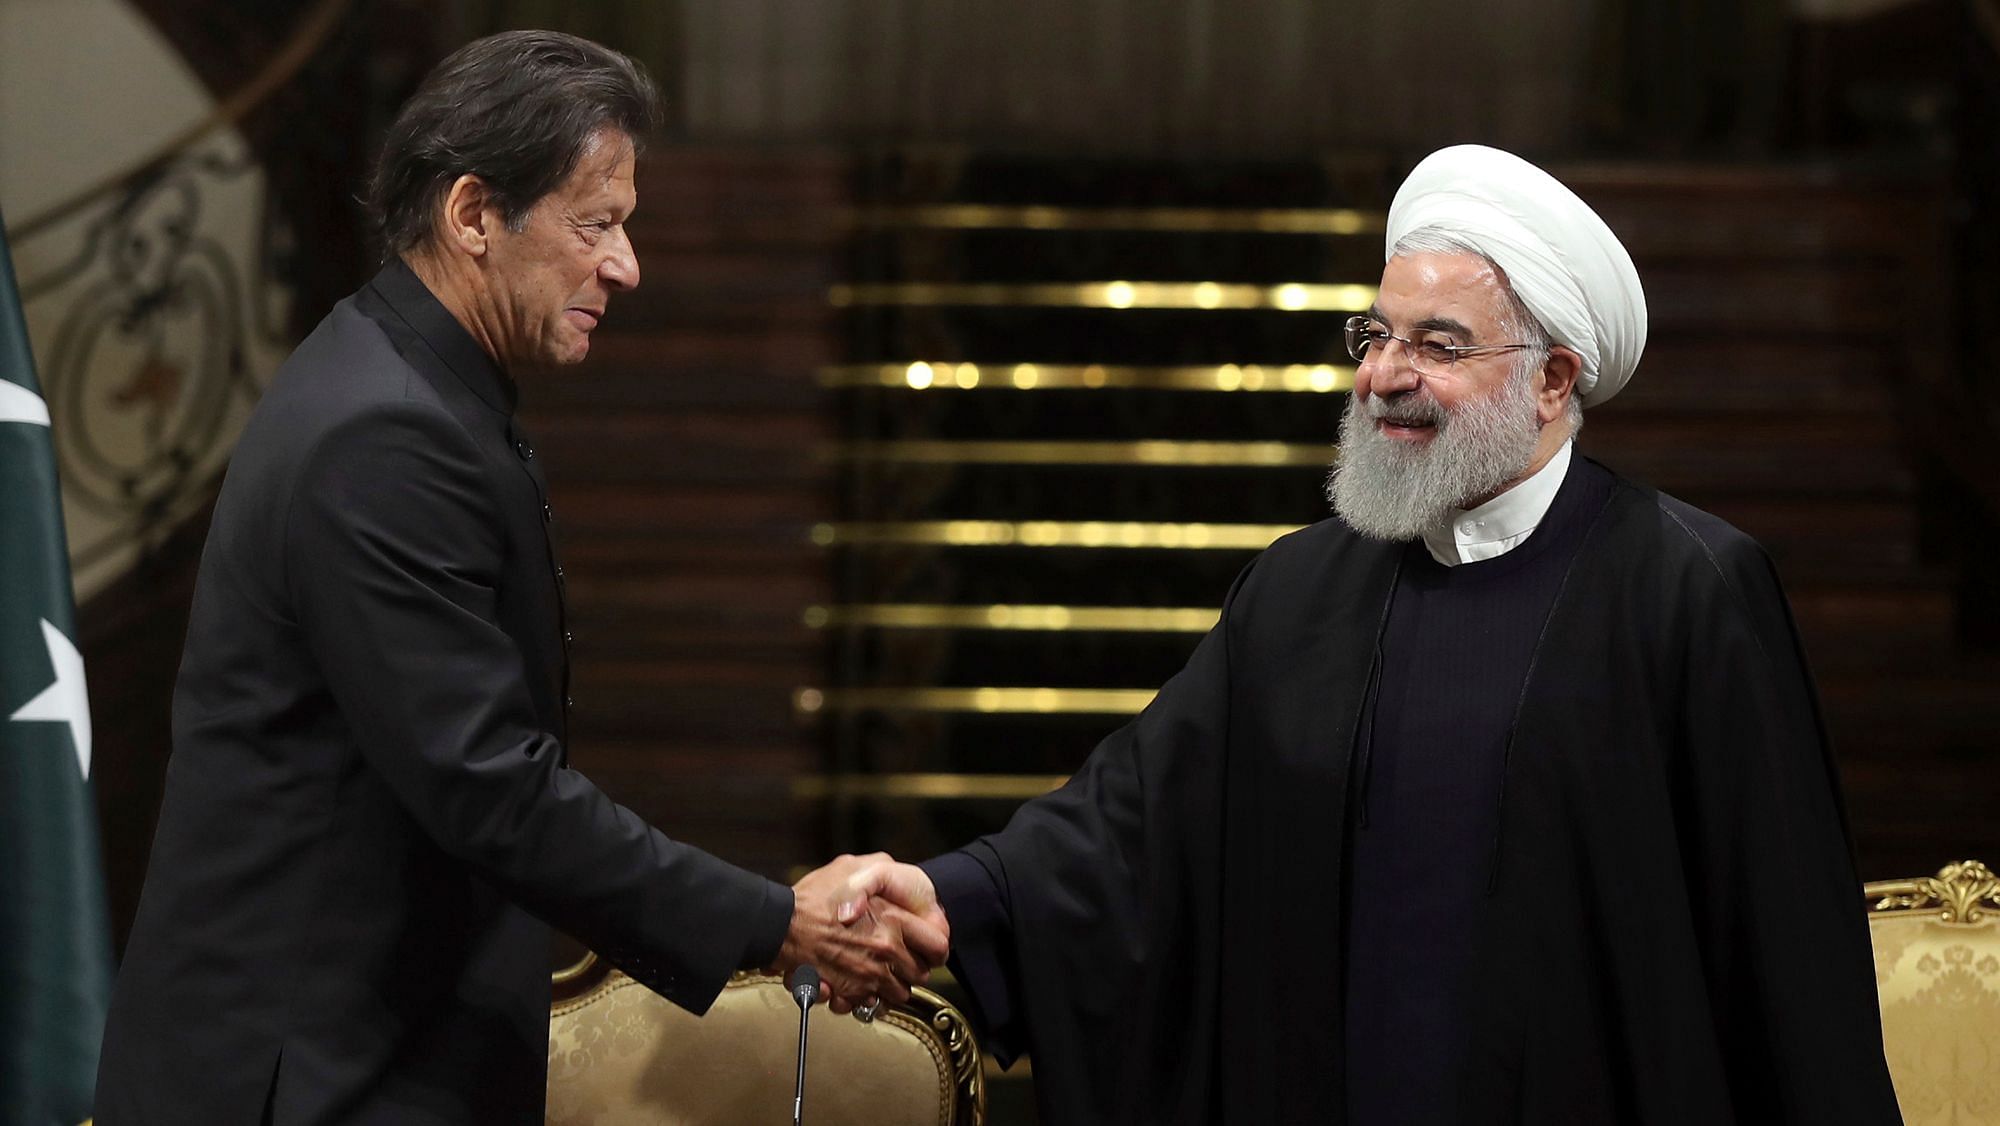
<point x="1428" y="324"/>
<point x="1444" y="324"/>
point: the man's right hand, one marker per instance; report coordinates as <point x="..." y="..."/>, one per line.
<point x="864" y="946"/>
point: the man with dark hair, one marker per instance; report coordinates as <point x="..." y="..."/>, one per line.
<point x="369" y="823"/>
<point x="1499" y="798"/>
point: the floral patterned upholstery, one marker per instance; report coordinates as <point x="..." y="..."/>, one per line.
<point x="1937" y="970"/>
<point x="620" y="1054"/>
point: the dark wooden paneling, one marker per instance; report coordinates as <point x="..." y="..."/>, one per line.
<point x="685" y="468"/>
<point x="1784" y="392"/>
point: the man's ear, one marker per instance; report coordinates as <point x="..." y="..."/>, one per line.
<point x="468" y="215"/>
<point x="1558" y="383"/>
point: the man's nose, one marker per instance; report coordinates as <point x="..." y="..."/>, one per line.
<point x="1384" y="374"/>
<point x="620" y="268"/>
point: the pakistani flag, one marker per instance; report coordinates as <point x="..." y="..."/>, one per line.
<point x="55" y="949"/>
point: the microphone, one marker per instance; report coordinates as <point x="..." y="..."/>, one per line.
<point x="804" y="985"/>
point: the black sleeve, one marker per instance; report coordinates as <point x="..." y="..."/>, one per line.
<point x="1785" y="940"/>
<point x="982" y="944"/>
<point x="1104" y="968"/>
<point x="394" y="549"/>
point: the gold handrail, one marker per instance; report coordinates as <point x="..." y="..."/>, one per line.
<point x="1208" y="296"/>
<point x="1156" y="452"/>
<point x="943" y="375"/>
<point x="925" y="786"/>
<point x="989" y="700"/>
<point x="306" y="40"/>
<point x="1052" y="533"/>
<point x="1015" y="616"/>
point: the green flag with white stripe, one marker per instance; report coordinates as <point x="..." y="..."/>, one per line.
<point x="55" y="947"/>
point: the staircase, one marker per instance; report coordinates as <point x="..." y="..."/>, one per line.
<point x="1077" y="400"/>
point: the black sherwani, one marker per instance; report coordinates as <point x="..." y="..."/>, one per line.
<point x="368" y="822"/>
<point x="1668" y="928"/>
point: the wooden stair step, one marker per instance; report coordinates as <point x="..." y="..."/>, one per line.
<point x="621" y="349"/>
<point x="746" y="817"/>
<point x="1840" y="301"/>
<point x="705" y="700"/>
<point x="778" y="305"/>
<point x="1950" y="708"/>
<point x="639" y="556"/>
<point x="1863" y="627"/>
<point x="713" y="513"/>
<point x="721" y="594"/>
<point x="1665" y="229"/>
<point x="686" y="448"/>
<point x="1697" y="370"/>
<point x="1752" y="453"/>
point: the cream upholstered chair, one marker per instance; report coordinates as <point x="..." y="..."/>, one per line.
<point x="620" y="1054"/>
<point x="1937" y="970"/>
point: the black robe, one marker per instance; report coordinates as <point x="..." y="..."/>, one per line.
<point x="1671" y="932"/>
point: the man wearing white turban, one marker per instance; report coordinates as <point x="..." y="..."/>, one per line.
<point x="1501" y="797"/>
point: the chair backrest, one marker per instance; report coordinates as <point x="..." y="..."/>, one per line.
<point x="1937" y="971"/>
<point x="619" y="1053"/>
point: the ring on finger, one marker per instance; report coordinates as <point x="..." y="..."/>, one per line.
<point x="866" y="1013"/>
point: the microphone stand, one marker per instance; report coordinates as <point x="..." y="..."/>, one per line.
<point x="804" y="985"/>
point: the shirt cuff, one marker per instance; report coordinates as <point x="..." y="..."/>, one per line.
<point x="968" y="893"/>
<point x="982" y="944"/>
<point x="774" y="922"/>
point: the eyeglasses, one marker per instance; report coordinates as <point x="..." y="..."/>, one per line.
<point x="1426" y="352"/>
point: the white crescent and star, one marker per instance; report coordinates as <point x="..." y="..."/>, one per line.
<point x="18" y="404"/>
<point x="64" y="701"/>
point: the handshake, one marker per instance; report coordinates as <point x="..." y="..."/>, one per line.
<point x="871" y="926"/>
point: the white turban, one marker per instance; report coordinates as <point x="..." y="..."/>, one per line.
<point x="1563" y="262"/>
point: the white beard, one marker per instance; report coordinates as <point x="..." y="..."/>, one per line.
<point x="1392" y="490"/>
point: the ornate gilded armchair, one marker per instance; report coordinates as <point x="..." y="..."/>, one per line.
<point x="1937" y="970"/>
<point x="619" y="1053"/>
